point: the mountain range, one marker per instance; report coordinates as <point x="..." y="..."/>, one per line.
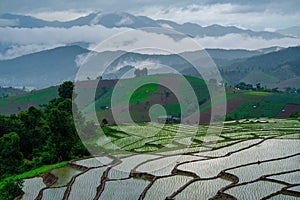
<point x="41" y="69"/>
<point x="123" y="19"/>
<point x="51" y="67"/>
<point x="272" y="66"/>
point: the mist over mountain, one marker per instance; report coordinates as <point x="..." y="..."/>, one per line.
<point x="292" y="31"/>
<point x="42" y="69"/>
<point x="27" y="34"/>
<point x="122" y="19"/>
<point x="52" y="50"/>
<point x="51" y="67"/>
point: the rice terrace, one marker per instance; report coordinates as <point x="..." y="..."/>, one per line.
<point x="150" y="100"/>
<point x="257" y="159"/>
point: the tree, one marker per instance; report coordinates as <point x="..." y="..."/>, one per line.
<point x="65" y="90"/>
<point x="294" y="114"/>
<point x="34" y="129"/>
<point x="244" y="86"/>
<point x="9" y="124"/>
<point x="64" y="142"/>
<point x="11" y="189"/>
<point x="45" y="135"/>
<point x="258" y="87"/>
<point x="141" y="72"/>
<point x="10" y="154"/>
<point x="63" y="130"/>
<point x="104" y="122"/>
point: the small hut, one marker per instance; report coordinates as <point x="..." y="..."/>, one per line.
<point x="168" y="119"/>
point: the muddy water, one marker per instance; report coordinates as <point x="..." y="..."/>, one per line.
<point x="64" y="175"/>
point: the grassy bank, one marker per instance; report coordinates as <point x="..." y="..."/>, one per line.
<point x="34" y="172"/>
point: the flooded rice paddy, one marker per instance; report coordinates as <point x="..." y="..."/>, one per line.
<point x="246" y="161"/>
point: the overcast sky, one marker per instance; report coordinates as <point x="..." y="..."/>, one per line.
<point x="254" y="14"/>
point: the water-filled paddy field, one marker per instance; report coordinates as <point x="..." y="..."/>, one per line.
<point x="248" y="160"/>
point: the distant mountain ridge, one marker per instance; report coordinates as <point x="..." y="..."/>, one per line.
<point x="268" y="69"/>
<point x="51" y="67"/>
<point x="292" y="31"/>
<point x="41" y="69"/>
<point x="123" y="19"/>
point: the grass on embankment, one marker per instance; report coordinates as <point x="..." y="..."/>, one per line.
<point x="34" y="172"/>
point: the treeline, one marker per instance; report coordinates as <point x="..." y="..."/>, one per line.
<point x="41" y="136"/>
<point x="10" y="91"/>
<point x="257" y="87"/>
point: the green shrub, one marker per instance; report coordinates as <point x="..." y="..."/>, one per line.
<point x="11" y="189"/>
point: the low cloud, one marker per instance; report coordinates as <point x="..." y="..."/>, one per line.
<point x="62" y="16"/>
<point x="238" y="41"/>
<point x="52" y="35"/>
<point x="20" y="41"/>
<point x="8" y="22"/>
<point x="148" y="41"/>
<point x="19" y="50"/>
<point x="227" y="13"/>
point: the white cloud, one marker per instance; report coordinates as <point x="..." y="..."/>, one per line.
<point x="27" y="40"/>
<point x="19" y="50"/>
<point x="8" y="22"/>
<point x="96" y="19"/>
<point x="51" y="35"/>
<point x="165" y="25"/>
<point x="256" y="14"/>
<point x="62" y="16"/>
<point x="228" y="14"/>
<point x="143" y="41"/>
<point x="237" y="41"/>
<point x="155" y="43"/>
<point x="270" y="29"/>
<point x="126" y="20"/>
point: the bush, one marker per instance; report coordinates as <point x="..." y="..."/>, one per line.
<point x="294" y="114"/>
<point x="11" y="189"/>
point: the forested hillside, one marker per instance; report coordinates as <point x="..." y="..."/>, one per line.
<point x="38" y="136"/>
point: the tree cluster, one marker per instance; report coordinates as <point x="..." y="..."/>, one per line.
<point x="257" y="87"/>
<point x="39" y="136"/>
<point x="141" y="72"/>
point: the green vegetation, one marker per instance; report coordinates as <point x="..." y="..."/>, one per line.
<point x="143" y="93"/>
<point x="262" y="104"/>
<point x="13" y="184"/>
<point x="37" y="171"/>
<point x="269" y="69"/>
<point x="284" y="98"/>
<point x="9" y="91"/>
<point x="252" y="109"/>
<point x="14" y="104"/>
<point x="37" y="138"/>
<point x="254" y="93"/>
<point x="268" y="102"/>
<point x="11" y="189"/>
<point x="255" y="101"/>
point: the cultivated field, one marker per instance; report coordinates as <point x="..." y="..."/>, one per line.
<point x="250" y="159"/>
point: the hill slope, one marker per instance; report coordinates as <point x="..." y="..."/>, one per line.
<point x="52" y="67"/>
<point x="240" y="104"/>
<point x="14" y="104"/>
<point x="268" y="69"/>
<point x="42" y="69"/>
